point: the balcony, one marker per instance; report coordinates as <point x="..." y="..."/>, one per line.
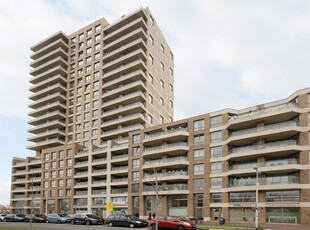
<point x="125" y="89"/>
<point x="47" y="134"/>
<point x="173" y="149"/>
<point x="123" y="27"/>
<point x="125" y="79"/>
<point x="119" y="191"/>
<point x="172" y="135"/>
<point x="59" y="61"/>
<point x="99" y="171"/>
<point x="277" y="113"/>
<point x="277" y="148"/>
<point x="57" y="79"/>
<point x="44" y="109"/>
<point x="166" y="189"/>
<point x="56" y="124"/>
<point x="58" y="52"/>
<point x="48" y="99"/>
<point x="136" y="107"/>
<point x="47" y="91"/>
<point x="124" y="100"/>
<point x="125" y="69"/>
<point x="81" y="184"/>
<point x="138" y="34"/>
<point x="166" y="163"/>
<point x="121" y="131"/>
<point x="128" y="120"/>
<point x="58" y="70"/>
<point x="274" y="132"/>
<point x="99" y="192"/>
<point x="47" y="143"/>
<point x="168" y="176"/>
<point x="119" y="170"/>
<point x="81" y="193"/>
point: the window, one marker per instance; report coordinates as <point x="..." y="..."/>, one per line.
<point x="151" y="78"/>
<point x="216" y="121"/>
<point x="162" y="66"/>
<point x="68" y="192"/>
<point x="89" y="41"/>
<point x="171" y="55"/>
<point x="69" y="172"/>
<point x="199" y="140"/>
<point x="45" y="184"/>
<point x="61" y="163"/>
<point x="97" y="46"/>
<point x="77" y="136"/>
<point x="216" y="182"/>
<point x="97" y="56"/>
<point x="46" y="156"/>
<point x="96" y="75"/>
<point x="53" y="183"/>
<point x="216" y="167"/>
<point x="162" y="84"/>
<point x="151" y="59"/>
<point x="68" y="182"/>
<point x="199" y="154"/>
<point x="309" y="100"/>
<point x="97" y="65"/>
<point x="216" y="136"/>
<point x="199" y="169"/>
<point x="135" y="163"/>
<point x="152" y="20"/>
<point x="162" y="48"/>
<point x="53" y="164"/>
<point x="87" y="97"/>
<point x="96" y="84"/>
<point x="95" y="104"/>
<point x="88" y="60"/>
<point x="97" y="28"/>
<point x="216" y="151"/>
<point x="136" y="138"/>
<point x="95" y="133"/>
<point x="96" y="94"/>
<point x="86" y="134"/>
<point x="240" y="197"/>
<point x="198" y="183"/>
<point x="162" y="102"/>
<point x="171" y="71"/>
<point x="136" y="151"/>
<point x="45" y="175"/>
<point x="86" y="115"/>
<point x="89" y="32"/>
<point x="150" y="119"/>
<point x="60" y="183"/>
<point x="216" y="197"/>
<point x="53" y="155"/>
<point x="283" y="196"/>
<point x="171" y="88"/>
<point x="135" y="175"/>
<point x="81" y="37"/>
<point x="69" y="152"/>
<point x="88" y="51"/>
<point x="135" y="188"/>
<point x="60" y="192"/>
<point x="198" y="125"/>
<point x="161" y="119"/>
<point x="53" y="174"/>
<point x="171" y="104"/>
<point x="97" y="38"/>
<point x="151" y="39"/>
<point x="86" y="106"/>
<point x="79" y="99"/>
<point x="61" y="154"/>
<point x="150" y="98"/>
<point x="61" y="173"/>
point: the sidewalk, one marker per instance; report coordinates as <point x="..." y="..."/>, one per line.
<point x="252" y="226"/>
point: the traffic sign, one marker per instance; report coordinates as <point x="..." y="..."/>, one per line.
<point x="109" y="207"/>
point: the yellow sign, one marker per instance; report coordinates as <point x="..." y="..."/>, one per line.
<point x="109" y="207"/>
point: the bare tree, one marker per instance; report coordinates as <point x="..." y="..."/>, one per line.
<point x="157" y="186"/>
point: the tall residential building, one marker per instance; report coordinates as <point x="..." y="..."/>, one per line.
<point x="89" y="90"/>
<point x="99" y="138"/>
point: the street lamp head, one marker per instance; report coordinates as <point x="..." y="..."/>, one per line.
<point x="255" y="167"/>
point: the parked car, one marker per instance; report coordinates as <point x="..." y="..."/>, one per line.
<point x="13" y="218"/>
<point x="58" y="218"/>
<point x="41" y="216"/>
<point x="34" y="218"/>
<point x="2" y="216"/>
<point x="171" y="222"/>
<point x="125" y="221"/>
<point x="88" y="219"/>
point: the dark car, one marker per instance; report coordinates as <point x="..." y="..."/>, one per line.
<point x="58" y="218"/>
<point x="2" y="216"/>
<point x="13" y="218"/>
<point x="171" y="222"/>
<point x="125" y="221"/>
<point x="88" y="219"/>
<point x="41" y="216"/>
<point x="34" y="219"/>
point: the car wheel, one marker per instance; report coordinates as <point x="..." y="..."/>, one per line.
<point x="131" y="225"/>
<point x="72" y="222"/>
<point x="58" y="221"/>
<point x="110" y="224"/>
<point x="87" y="222"/>
<point x="180" y="227"/>
<point x="153" y="226"/>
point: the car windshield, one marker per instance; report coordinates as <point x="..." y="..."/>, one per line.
<point x="62" y="215"/>
<point x="133" y="217"/>
<point x="92" y="216"/>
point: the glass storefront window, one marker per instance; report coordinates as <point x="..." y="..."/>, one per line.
<point x="198" y="204"/>
<point x="216" y="197"/>
<point x="283" y="215"/>
<point x="241" y="215"/>
<point x="177" y="205"/>
<point x="283" y="196"/>
<point x="242" y="197"/>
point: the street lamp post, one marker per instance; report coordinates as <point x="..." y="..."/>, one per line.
<point x="256" y="198"/>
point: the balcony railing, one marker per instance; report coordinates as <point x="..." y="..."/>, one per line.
<point x="164" y="175"/>
<point x="251" y="181"/>
<point x="119" y="190"/>
<point x="162" y="161"/>
<point x="168" y="187"/>
<point x="120" y="168"/>
<point x="162" y="133"/>
<point x="177" y="144"/>
<point x="125" y="179"/>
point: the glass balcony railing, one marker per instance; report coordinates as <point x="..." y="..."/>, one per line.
<point x="177" y="144"/>
<point x="251" y="181"/>
<point x="162" y="133"/>
<point x="168" y="187"/>
<point x="167" y="160"/>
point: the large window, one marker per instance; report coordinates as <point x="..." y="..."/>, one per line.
<point x="198" y="183"/>
<point x="283" y="215"/>
<point x="198" y="204"/>
<point x="241" y="215"/>
<point x="216" y="136"/>
<point x="198" y="125"/>
<point x="216" y="182"/>
<point x="178" y="205"/>
<point x="199" y="169"/>
<point x="283" y="196"/>
<point x="216" y="167"/>
<point x="216" y="121"/>
<point x="199" y="154"/>
<point x="216" y="151"/>
<point x="136" y="139"/>
<point x="240" y="197"/>
<point x="216" y="197"/>
<point x="199" y="140"/>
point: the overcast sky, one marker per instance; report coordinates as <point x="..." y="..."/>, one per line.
<point x="228" y="54"/>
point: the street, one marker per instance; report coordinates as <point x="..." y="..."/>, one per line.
<point x="46" y="226"/>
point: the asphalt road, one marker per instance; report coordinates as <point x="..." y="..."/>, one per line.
<point x="46" y="226"/>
